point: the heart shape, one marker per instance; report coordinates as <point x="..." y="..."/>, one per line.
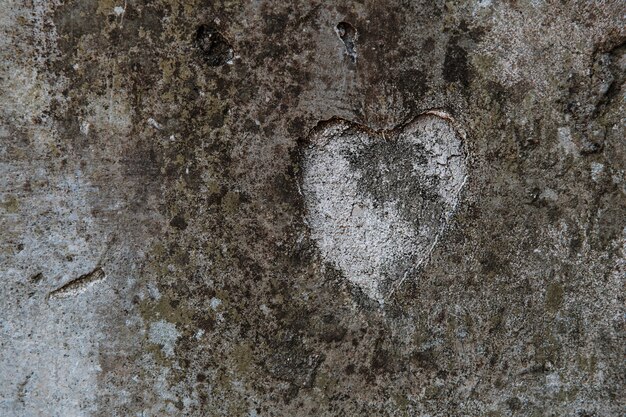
<point x="377" y="202"/>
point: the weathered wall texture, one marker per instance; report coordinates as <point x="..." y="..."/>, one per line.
<point x="304" y="208"/>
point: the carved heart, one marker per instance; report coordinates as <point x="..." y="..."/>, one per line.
<point x="377" y="202"/>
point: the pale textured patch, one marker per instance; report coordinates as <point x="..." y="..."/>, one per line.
<point x="49" y="347"/>
<point x="566" y="142"/>
<point x="378" y="202"/>
<point x="49" y="360"/>
<point x="165" y="334"/>
<point x="108" y="114"/>
<point x="596" y="171"/>
<point x="518" y="42"/>
<point x="26" y="88"/>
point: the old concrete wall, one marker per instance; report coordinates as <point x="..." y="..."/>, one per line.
<point x="304" y="208"/>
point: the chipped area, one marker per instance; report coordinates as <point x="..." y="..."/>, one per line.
<point x="348" y="35"/>
<point x="78" y="285"/>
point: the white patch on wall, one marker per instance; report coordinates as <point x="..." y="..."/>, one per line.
<point x="378" y="201"/>
<point x="596" y="171"/>
<point x="566" y="142"/>
<point x="165" y="334"/>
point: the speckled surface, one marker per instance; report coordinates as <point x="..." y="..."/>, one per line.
<point x="156" y="250"/>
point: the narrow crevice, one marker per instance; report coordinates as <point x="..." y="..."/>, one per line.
<point x="78" y="285"/>
<point x="348" y="35"/>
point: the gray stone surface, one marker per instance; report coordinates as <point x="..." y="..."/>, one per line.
<point x="165" y="225"/>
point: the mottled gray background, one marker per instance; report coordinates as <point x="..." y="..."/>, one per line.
<point x="155" y="258"/>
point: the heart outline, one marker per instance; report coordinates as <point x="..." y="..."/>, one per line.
<point x="332" y="129"/>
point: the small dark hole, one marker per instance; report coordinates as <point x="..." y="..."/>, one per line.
<point x="178" y="222"/>
<point x="36" y="278"/>
<point x="213" y="46"/>
<point x="348" y="35"/>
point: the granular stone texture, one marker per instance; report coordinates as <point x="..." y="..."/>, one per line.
<point x="307" y="208"/>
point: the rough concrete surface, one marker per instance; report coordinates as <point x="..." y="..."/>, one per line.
<point x="305" y="208"/>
